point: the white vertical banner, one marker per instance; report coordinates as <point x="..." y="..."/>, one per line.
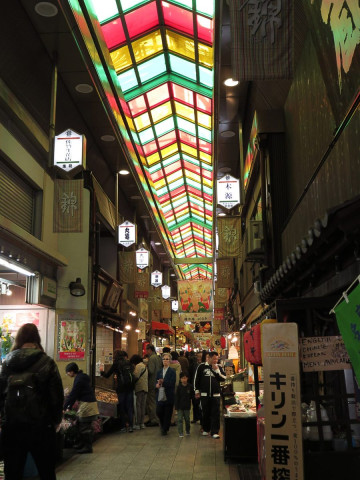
<point x="283" y="429"/>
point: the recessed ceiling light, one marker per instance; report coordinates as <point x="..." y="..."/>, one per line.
<point x="124" y="172"/>
<point x="144" y="216"/>
<point x="224" y="170"/>
<point x="172" y="275"/>
<point x="229" y="82"/>
<point x="84" y="88"/>
<point x="227" y="134"/>
<point x="222" y="214"/>
<point x="107" y="138"/>
<point x="135" y="197"/>
<point x="46" y="9"/>
<point x="157" y="243"/>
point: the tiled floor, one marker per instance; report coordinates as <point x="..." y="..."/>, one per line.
<point x="146" y="455"/>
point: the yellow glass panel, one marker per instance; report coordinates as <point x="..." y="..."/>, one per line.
<point x="180" y="44"/>
<point x="193" y="176"/>
<point x="204" y="120"/>
<point x="142" y="121"/>
<point x="207" y="182"/>
<point x="160" y="184"/>
<point x="206" y="158"/>
<point x="173" y="177"/>
<point x="160" y="112"/>
<point x="190" y="150"/>
<point x="131" y="124"/>
<point x="185" y="111"/>
<point x="152" y="159"/>
<point x="147" y="46"/>
<point x="206" y="56"/>
<point x="121" y="59"/>
<point x="170" y="150"/>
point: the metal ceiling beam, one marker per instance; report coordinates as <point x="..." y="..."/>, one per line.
<point x="193" y="261"/>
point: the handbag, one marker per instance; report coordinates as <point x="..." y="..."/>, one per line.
<point x="162" y="395"/>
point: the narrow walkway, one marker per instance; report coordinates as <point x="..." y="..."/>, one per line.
<point x="146" y="455"/>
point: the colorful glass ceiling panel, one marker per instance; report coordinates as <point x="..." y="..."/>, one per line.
<point x="163" y="56"/>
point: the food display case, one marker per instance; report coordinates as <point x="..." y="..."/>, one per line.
<point x="107" y="402"/>
<point x="240" y="438"/>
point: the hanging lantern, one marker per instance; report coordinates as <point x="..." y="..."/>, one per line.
<point x="223" y="342"/>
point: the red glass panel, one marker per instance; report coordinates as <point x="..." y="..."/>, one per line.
<point x="192" y="168"/>
<point x="183" y="94"/>
<point x="142" y="19"/>
<point x="177" y="192"/>
<point x="206" y="174"/>
<point x="158" y="95"/>
<point x="137" y="105"/>
<point x="167" y="139"/>
<point x="139" y="149"/>
<point x="124" y="106"/>
<point x="204" y="103"/>
<point x="156" y="176"/>
<point x="113" y="33"/>
<point x="207" y="197"/>
<point x="205" y="146"/>
<point x="205" y="28"/>
<point x="174" y="167"/>
<point x="187" y="138"/>
<point x="193" y="190"/>
<point x="178" y="18"/>
<point x="150" y="148"/>
<point x="164" y="198"/>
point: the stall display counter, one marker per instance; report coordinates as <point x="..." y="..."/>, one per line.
<point x="240" y="439"/>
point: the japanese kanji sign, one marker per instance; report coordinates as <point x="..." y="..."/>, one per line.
<point x="68" y="206"/>
<point x="165" y="291"/>
<point x="228" y="192"/>
<point x="348" y="320"/>
<point x="229" y="231"/>
<point x="69" y="151"/>
<point x="126" y="234"/>
<point x="156" y="278"/>
<point x="283" y="428"/>
<point x="142" y="258"/>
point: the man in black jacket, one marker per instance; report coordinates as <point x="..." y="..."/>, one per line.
<point x="207" y="387"/>
<point x="88" y="409"/>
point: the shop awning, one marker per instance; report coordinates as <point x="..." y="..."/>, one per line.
<point x="162" y="327"/>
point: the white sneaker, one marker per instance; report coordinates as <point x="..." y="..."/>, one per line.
<point x="205" y="434"/>
<point x="136" y="427"/>
<point x="181" y="436"/>
<point x="216" y="435"/>
<point x="142" y="426"/>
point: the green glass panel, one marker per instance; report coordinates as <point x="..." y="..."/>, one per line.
<point x="206" y="77"/>
<point x="206" y="7"/>
<point x="193" y="184"/>
<point x="183" y="67"/>
<point x="191" y="159"/>
<point x="127" y="4"/>
<point x="127" y="80"/>
<point x="146" y="135"/>
<point x="105" y="10"/>
<point x="167" y="209"/>
<point x="170" y="160"/>
<point x="152" y="68"/>
<point x="165" y="126"/>
<point x="189" y="127"/>
<point x="208" y="190"/>
<point x="196" y="201"/>
<point x="185" y="3"/>
<point x="162" y="191"/>
<point x="154" y="168"/>
<point x="177" y="184"/>
<point x="205" y="134"/>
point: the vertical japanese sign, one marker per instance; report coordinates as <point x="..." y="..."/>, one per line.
<point x="262" y="39"/>
<point x="69" y="151"/>
<point x="126" y="234"/>
<point x="68" y="206"/>
<point x="283" y="429"/>
<point x="228" y="192"/>
<point x="71" y="336"/>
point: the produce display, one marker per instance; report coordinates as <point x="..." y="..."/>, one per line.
<point x="245" y="405"/>
<point x="105" y="396"/>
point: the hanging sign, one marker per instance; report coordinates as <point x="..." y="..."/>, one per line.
<point x="156" y="278"/>
<point x="174" y="305"/>
<point x="69" y="151"/>
<point x="142" y="258"/>
<point x="126" y="234"/>
<point x="228" y="192"/>
<point x="165" y="291"/>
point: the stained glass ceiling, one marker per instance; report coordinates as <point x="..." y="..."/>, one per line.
<point x="162" y="53"/>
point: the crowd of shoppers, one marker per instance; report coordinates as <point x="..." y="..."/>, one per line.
<point x="158" y="388"/>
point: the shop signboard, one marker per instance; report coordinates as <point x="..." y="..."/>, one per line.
<point x="71" y="336"/>
<point x="323" y="353"/>
<point x="174" y="305"/>
<point x="142" y="258"/>
<point x="69" y="152"/>
<point x="203" y="340"/>
<point x="165" y="291"/>
<point x="126" y="234"/>
<point x="176" y="320"/>
<point x="156" y="278"/>
<point x="142" y="330"/>
<point x="228" y="192"/>
<point x="283" y="428"/>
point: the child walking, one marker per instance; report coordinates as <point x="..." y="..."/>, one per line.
<point x="183" y="396"/>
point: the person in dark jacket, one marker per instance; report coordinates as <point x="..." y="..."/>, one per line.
<point x="165" y="393"/>
<point x="37" y="436"/>
<point x="124" y="389"/>
<point x="207" y="387"/>
<point x="87" y="411"/>
<point x="184" y="394"/>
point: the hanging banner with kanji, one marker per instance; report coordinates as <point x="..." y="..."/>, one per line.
<point x="143" y="309"/>
<point x="126" y="267"/>
<point x="229" y="231"/>
<point x="68" y="206"/>
<point x="348" y="320"/>
<point x="262" y="39"/>
<point x="221" y="296"/>
<point x="166" y="309"/>
<point x="142" y="283"/>
<point x="195" y="295"/>
<point x="225" y="273"/>
<point x="283" y="427"/>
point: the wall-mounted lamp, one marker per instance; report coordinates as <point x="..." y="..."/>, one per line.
<point x="77" y="289"/>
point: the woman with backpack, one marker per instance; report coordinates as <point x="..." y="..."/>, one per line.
<point x="123" y="370"/>
<point x="31" y="403"/>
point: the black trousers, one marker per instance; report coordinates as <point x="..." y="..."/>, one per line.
<point x="40" y="441"/>
<point x="211" y="414"/>
<point x="164" y="412"/>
